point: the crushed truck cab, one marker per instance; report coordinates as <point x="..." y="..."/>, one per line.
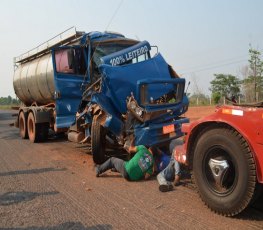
<point x="138" y="99"/>
<point x="224" y="151"/>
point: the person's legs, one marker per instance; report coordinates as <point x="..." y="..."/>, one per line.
<point x="112" y="162"/>
<point x="164" y="185"/>
<point x="168" y="175"/>
<point x="169" y="172"/>
<point x="165" y="177"/>
<point x="177" y="173"/>
<point x="172" y="146"/>
<point x="172" y="171"/>
<point x="177" y="170"/>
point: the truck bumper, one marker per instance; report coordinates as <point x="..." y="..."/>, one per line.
<point x="155" y="134"/>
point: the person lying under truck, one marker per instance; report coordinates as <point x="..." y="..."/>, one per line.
<point x="140" y="166"/>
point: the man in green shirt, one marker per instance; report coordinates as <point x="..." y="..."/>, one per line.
<point x="137" y="168"/>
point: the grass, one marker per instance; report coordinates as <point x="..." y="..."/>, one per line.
<point x="6" y="107"/>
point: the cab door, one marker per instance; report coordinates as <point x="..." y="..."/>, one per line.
<point x="70" y="67"/>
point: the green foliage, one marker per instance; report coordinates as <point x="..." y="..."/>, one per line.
<point x="225" y="85"/>
<point x="9" y="101"/>
<point x="216" y="97"/>
<point x="255" y="63"/>
<point x="253" y="84"/>
<point x="199" y="99"/>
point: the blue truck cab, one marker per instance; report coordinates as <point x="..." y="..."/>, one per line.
<point x="116" y="94"/>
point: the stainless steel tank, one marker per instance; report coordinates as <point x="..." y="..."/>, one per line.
<point x="34" y="81"/>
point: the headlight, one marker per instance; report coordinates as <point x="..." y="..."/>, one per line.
<point x="135" y="109"/>
<point x="139" y="111"/>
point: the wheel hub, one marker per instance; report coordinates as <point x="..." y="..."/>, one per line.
<point x="219" y="169"/>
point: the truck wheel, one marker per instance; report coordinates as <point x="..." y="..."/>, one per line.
<point x="35" y="131"/>
<point x="43" y="132"/>
<point x="31" y="128"/>
<point x="23" y="125"/>
<point x="224" y="171"/>
<point x="98" y="141"/>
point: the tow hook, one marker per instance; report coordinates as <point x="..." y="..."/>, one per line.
<point x="219" y="169"/>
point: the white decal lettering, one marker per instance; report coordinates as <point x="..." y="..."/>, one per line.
<point x="129" y="56"/>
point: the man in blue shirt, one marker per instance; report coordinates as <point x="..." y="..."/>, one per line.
<point x="171" y="172"/>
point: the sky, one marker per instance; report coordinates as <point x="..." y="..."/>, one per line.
<point x="199" y="38"/>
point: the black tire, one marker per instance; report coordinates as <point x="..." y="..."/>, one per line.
<point x="43" y="132"/>
<point x="234" y="191"/>
<point x="22" y="119"/>
<point x="34" y="130"/>
<point x="98" y="141"/>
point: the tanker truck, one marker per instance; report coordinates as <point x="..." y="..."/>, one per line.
<point x="101" y="88"/>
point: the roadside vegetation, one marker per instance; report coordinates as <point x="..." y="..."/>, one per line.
<point x="8" y="102"/>
<point x="246" y="88"/>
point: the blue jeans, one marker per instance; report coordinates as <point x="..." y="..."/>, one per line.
<point x="115" y="163"/>
<point x="172" y="169"/>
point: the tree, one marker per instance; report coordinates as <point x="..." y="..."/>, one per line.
<point x="9" y="101"/>
<point x="253" y="84"/>
<point x="216" y="97"/>
<point x="224" y="85"/>
<point x="199" y="99"/>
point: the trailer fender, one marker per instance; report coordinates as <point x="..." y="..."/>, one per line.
<point x="41" y="114"/>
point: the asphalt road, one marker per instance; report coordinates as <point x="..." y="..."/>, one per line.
<point x="52" y="185"/>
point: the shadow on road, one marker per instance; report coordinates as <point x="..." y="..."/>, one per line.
<point x="6" y="115"/>
<point x="254" y="211"/>
<point x="10" y="198"/>
<point x="67" y="225"/>
<point x="56" y="137"/>
<point x="32" y="171"/>
<point x="251" y="214"/>
<point x="9" y="136"/>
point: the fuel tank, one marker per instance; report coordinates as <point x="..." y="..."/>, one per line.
<point x="34" y="81"/>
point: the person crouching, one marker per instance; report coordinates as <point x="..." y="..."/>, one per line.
<point x="140" y="166"/>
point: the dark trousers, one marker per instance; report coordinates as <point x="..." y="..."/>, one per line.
<point x="116" y="163"/>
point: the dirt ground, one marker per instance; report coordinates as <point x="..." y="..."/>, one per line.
<point x="196" y="112"/>
<point x="52" y="185"/>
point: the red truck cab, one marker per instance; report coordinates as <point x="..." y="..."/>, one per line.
<point x="225" y="153"/>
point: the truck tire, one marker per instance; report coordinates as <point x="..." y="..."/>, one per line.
<point x="98" y="141"/>
<point x="44" y="128"/>
<point x="34" y="130"/>
<point x="23" y="125"/>
<point x="224" y="171"/>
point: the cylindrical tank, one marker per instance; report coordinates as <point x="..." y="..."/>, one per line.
<point x="34" y="81"/>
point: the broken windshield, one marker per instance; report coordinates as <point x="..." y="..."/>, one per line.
<point x="105" y="48"/>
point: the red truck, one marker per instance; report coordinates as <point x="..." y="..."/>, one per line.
<point x="225" y="153"/>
